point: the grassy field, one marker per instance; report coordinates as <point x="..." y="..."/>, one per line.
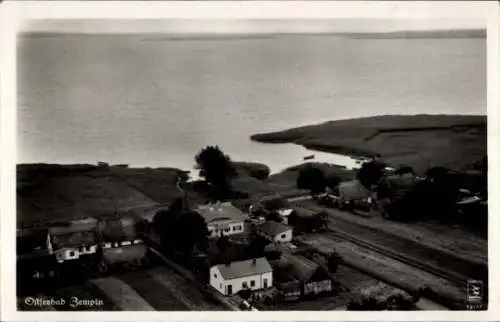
<point x="422" y="141"/>
<point x="50" y="193"/>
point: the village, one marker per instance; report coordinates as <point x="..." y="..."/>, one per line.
<point x="266" y="251"/>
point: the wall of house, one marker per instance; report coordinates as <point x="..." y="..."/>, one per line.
<point x="217" y="282"/>
<point x="228" y="228"/>
<point x="284" y="237"/>
<point x="65" y="254"/>
<point x="70" y="253"/>
<point x="318" y="287"/>
<point x="237" y="283"/>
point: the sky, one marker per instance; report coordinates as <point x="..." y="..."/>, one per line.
<point x="245" y="25"/>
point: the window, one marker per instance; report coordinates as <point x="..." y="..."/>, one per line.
<point x="252" y="283"/>
<point x="235" y="228"/>
<point x="245" y="285"/>
<point x="71" y="254"/>
<point x="283" y="236"/>
<point x="215" y="275"/>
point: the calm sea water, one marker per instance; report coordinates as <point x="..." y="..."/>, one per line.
<point x="156" y="102"/>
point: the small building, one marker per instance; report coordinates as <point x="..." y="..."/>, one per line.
<point x="230" y="278"/>
<point x="354" y="193"/>
<point x="222" y="219"/>
<point x="71" y="241"/>
<point x="276" y="232"/>
<point x="312" y="277"/>
<point x="120" y="242"/>
<point x="284" y="213"/>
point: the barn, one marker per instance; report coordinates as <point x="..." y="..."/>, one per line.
<point x="311" y="277"/>
<point x="276" y="232"/>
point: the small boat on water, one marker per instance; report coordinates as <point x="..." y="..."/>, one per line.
<point x="309" y="157"/>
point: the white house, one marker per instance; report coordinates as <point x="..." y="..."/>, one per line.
<point x="222" y="219"/>
<point x="76" y="239"/>
<point x="276" y="232"/>
<point x="253" y="274"/>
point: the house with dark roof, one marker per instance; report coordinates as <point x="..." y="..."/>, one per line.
<point x="73" y="240"/>
<point x="230" y="278"/>
<point x="312" y="277"/>
<point x="222" y="218"/>
<point x="276" y="232"/>
<point x="354" y="193"/>
<point x="120" y="242"/>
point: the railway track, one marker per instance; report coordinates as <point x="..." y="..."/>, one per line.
<point x="447" y="265"/>
<point x="452" y="268"/>
<point x="456" y="270"/>
<point x="456" y="278"/>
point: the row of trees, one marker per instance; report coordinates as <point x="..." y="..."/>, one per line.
<point x="436" y="196"/>
<point x="314" y="179"/>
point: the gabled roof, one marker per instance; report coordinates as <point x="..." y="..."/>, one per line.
<point x="75" y="226"/>
<point x="74" y="239"/>
<point x="244" y="268"/>
<point x="220" y="211"/>
<point x="118" y="229"/>
<point x="273" y="228"/>
<point x="300" y="267"/>
<point x="285" y="212"/>
<point x="353" y="190"/>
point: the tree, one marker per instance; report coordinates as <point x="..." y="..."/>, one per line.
<point x="274" y="203"/>
<point x="402" y="170"/>
<point x="215" y="167"/>
<point x="333" y="260"/>
<point x="274" y="216"/>
<point x="370" y="173"/>
<point x="332" y="181"/>
<point x="256" y="247"/>
<point x="181" y="231"/>
<point x="177" y="205"/>
<point x="311" y="178"/>
<point x="319" y="221"/>
<point x="223" y="243"/>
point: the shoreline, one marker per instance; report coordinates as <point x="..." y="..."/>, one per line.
<point x="415" y="140"/>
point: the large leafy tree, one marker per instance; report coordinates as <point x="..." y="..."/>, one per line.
<point x="313" y="179"/>
<point x="370" y="173"/>
<point x="255" y="248"/>
<point x="181" y="231"/>
<point x="215" y="167"/>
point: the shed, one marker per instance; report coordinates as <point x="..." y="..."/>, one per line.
<point x="275" y="231"/>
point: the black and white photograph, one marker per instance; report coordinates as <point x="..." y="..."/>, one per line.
<point x="252" y="165"/>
